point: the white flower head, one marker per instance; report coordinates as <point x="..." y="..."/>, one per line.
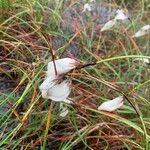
<point x="57" y="85"/>
<point x="146" y="27"/>
<point x="108" y="25"/>
<point x="121" y="15"/>
<point x="143" y="31"/>
<point x="111" y="105"/>
<point x="87" y="7"/>
<point x="63" y="66"/>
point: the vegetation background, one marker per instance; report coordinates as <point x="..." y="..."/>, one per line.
<point x="30" y="30"/>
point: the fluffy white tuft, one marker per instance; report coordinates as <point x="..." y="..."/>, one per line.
<point x="111" y="105"/>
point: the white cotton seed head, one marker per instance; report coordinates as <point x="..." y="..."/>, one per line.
<point x="111" y="105"/>
<point x="63" y="66"/>
<point x="144" y="60"/>
<point x="92" y="1"/>
<point x="140" y="33"/>
<point x="146" y="27"/>
<point x="56" y="87"/>
<point x="121" y="15"/>
<point x="87" y="7"/>
<point x="108" y="25"/>
<point x="143" y="31"/>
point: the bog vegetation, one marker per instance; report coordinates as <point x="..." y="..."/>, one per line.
<point x="74" y="74"/>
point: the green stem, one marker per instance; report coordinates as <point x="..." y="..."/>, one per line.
<point x="122" y="57"/>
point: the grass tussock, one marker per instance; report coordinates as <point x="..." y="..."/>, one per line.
<point x="30" y="32"/>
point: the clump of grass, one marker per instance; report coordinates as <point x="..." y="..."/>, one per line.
<point x="27" y="121"/>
